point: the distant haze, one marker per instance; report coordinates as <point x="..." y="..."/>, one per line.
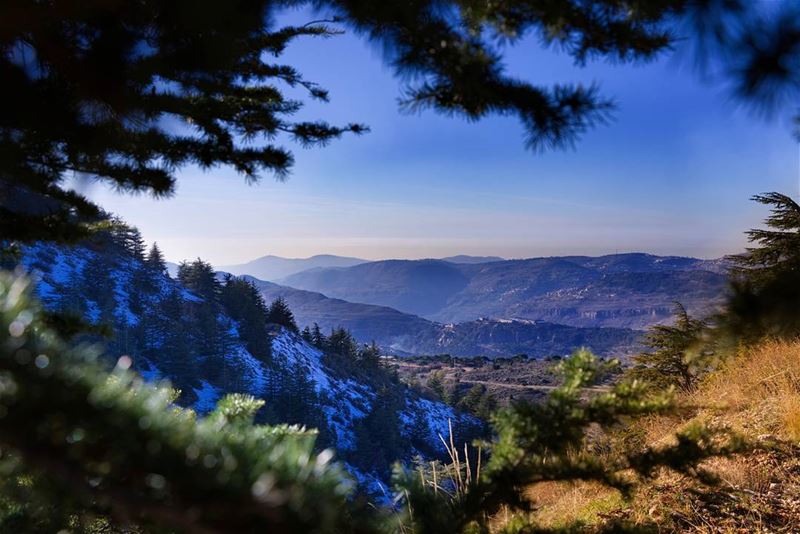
<point x="622" y="290"/>
<point x="272" y="268"/>
<point x="537" y="306"/>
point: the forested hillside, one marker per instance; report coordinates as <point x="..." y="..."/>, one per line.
<point x="210" y="338"/>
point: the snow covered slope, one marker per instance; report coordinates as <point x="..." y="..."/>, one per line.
<point x="345" y="401"/>
<point x="342" y="403"/>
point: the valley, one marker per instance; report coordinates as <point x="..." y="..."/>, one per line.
<point x="621" y="291"/>
<point x="507" y="380"/>
<point x="485" y="306"/>
<point x="406" y="334"/>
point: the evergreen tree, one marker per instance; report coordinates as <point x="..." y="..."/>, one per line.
<point x="378" y="439"/>
<point x="778" y="250"/>
<point x="167" y="340"/>
<point x="199" y="278"/>
<point x="72" y="301"/>
<point x="478" y="401"/>
<point x="670" y="360"/>
<point x="436" y="384"/>
<point x="99" y="289"/>
<point x="280" y="314"/>
<point x="212" y="339"/>
<point x="221" y="366"/>
<point x="306" y="335"/>
<point x="318" y="339"/>
<point x="244" y="304"/>
<point x="105" y="76"/>
<point x="294" y="399"/>
<point x="766" y="287"/>
<point x="419" y="438"/>
<point x="369" y="355"/>
<point x="155" y="260"/>
<point x="342" y="343"/>
<point x="129" y="238"/>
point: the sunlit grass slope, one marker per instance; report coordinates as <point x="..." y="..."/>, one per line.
<point x="755" y="393"/>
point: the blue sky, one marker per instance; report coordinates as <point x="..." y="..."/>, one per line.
<point x="671" y="174"/>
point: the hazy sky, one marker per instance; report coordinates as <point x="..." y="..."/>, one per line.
<point x="672" y="174"/>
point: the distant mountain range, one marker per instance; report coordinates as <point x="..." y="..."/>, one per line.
<point x="406" y="334"/>
<point x="623" y="290"/>
<point x="273" y="268"/>
<point x="462" y="258"/>
<point x="466" y="305"/>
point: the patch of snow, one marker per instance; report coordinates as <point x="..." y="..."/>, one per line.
<point x="344" y="401"/>
<point x="371" y="484"/>
<point x="207" y="397"/>
<point x="60" y="267"/>
<point x="92" y="312"/>
<point x="437" y="416"/>
<point x="189" y="296"/>
<point x="122" y="279"/>
<point x="294" y="348"/>
<point x="150" y="373"/>
<point x="63" y="267"/>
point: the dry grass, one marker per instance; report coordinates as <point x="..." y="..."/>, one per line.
<point x="790" y="411"/>
<point x="561" y="504"/>
<point x="756" y="393"/>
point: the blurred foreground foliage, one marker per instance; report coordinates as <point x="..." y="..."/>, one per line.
<point x="552" y="441"/>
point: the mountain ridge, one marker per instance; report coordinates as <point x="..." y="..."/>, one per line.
<point x="271" y="267"/>
<point x="632" y="290"/>
<point x="467" y="259"/>
<point x="404" y="334"/>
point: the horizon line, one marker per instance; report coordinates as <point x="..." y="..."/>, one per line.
<point x="445" y="258"/>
